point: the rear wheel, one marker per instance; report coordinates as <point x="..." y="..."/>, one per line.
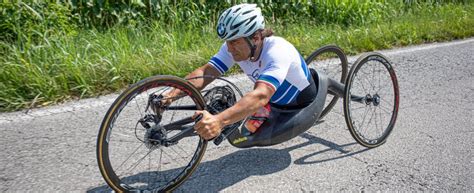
<point x="333" y="62"/>
<point x="132" y="151"/>
<point x="371" y="100"/>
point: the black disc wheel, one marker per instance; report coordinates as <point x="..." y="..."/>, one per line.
<point x="333" y="62"/>
<point x="139" y="149"/>
<point x="371" y="99"/>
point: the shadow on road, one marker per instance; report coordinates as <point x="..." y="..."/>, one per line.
<point x="216" y="175"/>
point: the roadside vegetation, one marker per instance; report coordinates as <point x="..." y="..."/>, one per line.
<point x="50" y="53"/>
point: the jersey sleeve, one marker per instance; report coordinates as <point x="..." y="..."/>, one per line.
<point x="223" y="60"/>
<point x="277" y="64"/>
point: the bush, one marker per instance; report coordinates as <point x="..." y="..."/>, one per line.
<point x="31" y="22"/>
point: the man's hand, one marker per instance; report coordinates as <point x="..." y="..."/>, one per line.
<point x="168" y="98"/>
<point x="161" y="101"/>
<point x="209" y="126"/>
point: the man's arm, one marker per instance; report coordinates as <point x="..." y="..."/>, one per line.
<point x="207" y="69"/>
<point x="211" y="125"/>
<point x="199" y="83"/>
<point x="248" y="104"/>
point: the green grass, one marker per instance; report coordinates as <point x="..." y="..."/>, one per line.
<point x="64" y="66"/>
<point x="426" y="25"/>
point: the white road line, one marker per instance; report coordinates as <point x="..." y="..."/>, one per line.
<point x="425" y="47"/>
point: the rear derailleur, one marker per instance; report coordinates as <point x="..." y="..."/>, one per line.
<point x="155" y="134"/>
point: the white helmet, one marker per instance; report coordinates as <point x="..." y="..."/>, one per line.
<point x="240" y="21"/>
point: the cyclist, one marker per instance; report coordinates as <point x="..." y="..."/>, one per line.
<point x="280" y="75"/>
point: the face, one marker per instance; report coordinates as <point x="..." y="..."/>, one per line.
<point x="239" y="49"/>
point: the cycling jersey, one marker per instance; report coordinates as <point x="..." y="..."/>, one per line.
<point x="280" y="66"/>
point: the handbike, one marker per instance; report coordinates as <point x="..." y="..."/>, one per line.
<point x="139" y="149"/>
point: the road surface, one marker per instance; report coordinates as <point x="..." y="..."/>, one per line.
<point x="430" y="149"/>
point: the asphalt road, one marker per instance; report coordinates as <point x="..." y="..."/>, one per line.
<point x="430" y="149"/>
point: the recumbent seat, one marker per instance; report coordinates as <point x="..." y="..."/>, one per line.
<point x="284" y="124"/>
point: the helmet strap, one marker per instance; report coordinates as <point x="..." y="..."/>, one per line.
<point x="252" y="46"/>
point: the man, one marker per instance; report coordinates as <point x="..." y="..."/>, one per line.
<point x="279" y="72"/>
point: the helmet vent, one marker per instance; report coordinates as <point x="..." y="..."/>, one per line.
<point x="251" y="28"/>
<point x="240" y="21"/>
<point x="237" y="25"/>
<point x="245" y="13"/>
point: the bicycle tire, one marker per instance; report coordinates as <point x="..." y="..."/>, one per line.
<point x="342" y="60"/>
<point x="356" y="132"/>
<point x="105" y="166"/>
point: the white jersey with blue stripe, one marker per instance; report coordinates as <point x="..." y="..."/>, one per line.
<point x="280" y="66"/>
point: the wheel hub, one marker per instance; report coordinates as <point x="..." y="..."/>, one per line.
<point x="375" y="100"/>
<point x="368" y="99"/>
<point x="155" y="136"/>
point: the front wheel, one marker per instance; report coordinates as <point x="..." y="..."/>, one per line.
<point x="138" y="149"/>
<point x="371" y="99"/>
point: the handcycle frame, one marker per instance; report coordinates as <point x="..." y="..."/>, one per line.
<point x="283" y="124"/>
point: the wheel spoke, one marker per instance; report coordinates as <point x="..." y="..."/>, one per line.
<point x="388" y="111"/>
<point x="381" y="123"/>
<point x="379" y="81"/>
<point x="366" y="79"/>
<point x="365" y="90"/>
<point x="371" y="77"/>
<point x="181" y="149"/>
<point x="138" y="162"/>
<point x="375" y="120"/>
<point x="138" y="108"/>
<point x="159" y="165"/>
<point x="149" y="169"/>
<point x="370" y="120"/>
<point x="172" y="116"/>
<point x="386" y="102"/>
<point x="181" y="157"/>
<point x="120" y="166"/>
<point x="383" y="87"/>
<point x="118" y="136"/>
<point x="128" y="151"/>
<point x="359" y="108"/>
<point x="363" y="120"/>
<point x="174" y="158"/>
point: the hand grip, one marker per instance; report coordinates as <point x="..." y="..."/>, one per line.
<point x="198" y="118"/>
<point x="217" y="140"/>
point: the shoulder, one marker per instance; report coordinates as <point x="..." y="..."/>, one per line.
<point x="276" y="41"/>
<point x="277" y="45"/>
<point x="276" y="48"/>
